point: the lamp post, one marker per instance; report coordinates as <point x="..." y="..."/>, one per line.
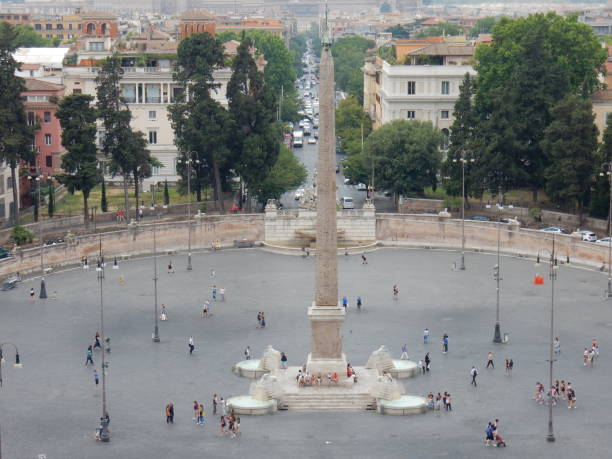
<point x="497" y="333"/>
<point x="156" y="326"/>
<point x="607" y="166"/>
<point x="552" y="274"/>
<point x="104" y="420"/>
<point x="463" y="160"/>
<point x="17" y="364"/>
<point x="43" y="287"/>
<point x="189" y="161"/>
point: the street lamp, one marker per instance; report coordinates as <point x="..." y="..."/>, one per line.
<point x="17" y="364"/>
<point x="497" y="333"/>
<point x="104" y="420"/>
<point x="43" y="287"/>
<point x="607" y="166"/>
<point x="553" y="266"/>
<point x="188" y="161"/>
<point x="463" y="161"/>
<point x="156" y="327"/>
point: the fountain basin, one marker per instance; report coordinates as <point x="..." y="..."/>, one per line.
<point x="403" y="369"/>
<point x="249" y="369"/>
<point x="404" y="406"/>
<point x="246" y="404"/>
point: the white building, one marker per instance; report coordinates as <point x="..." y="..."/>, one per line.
<point x="6" y="192"/>
<point x="420" y="92"/>
<point x="148" y="92"/>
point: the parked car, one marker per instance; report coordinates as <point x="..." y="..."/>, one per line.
<point x="298" y="194"/>
<point x="4" y="253"/>
<point x="54" y="240"/>
<point x="605" y="240"/>
<point x="588" y="236"/>
<point x="312" y="141"/>
<point x="480" y="218"/>
<point x="555" y="229"/>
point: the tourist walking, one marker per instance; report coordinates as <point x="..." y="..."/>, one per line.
<point x="247" y="353"/>
<point x="490" y="360"/>
<point x="32" y="294"/>
<point x="421" y="366"/>
<point x="445" y="343"/>
<point x="263" y="320"/>
<point x="222" y="425"/>
<point x="426" y="336"/>
<point x="358" y="302"/>
<point x="215" y="402"/>
<point x="206" y="309"/>
<point x="395" y="292"/>
<point x="222" y="407"/>
<point x="344" y="302"/>
<point x="169" y="413"/>
<point x="96" y="377"/>
<point x="162" y="314"/>
<point x="427" y="361"/>
<point x="364" y="260"/>
<point x="449" y="406"/>
<point x="283" y="360"/>
<point x="200" y="415"/>
<point x="222" y="293"/>
<point x="259" y="319"/>
<point x="170" y="267"/>
<point x="404" y="355"/>
<point x="89" y="356"/>
<point x="196" y="408"/>
<point x="473" y="374"/>
<point x="213" y="292"/>
<point x="191" y="345"/>
<point x="557" y="346"/>
<point x="97" y="341"/>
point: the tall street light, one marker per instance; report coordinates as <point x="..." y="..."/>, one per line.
<point x="104" y="420"/>
<point x="43" y="287"/>
<point x="497" y="333"/>
<point x="17" y="364"/>
<point x="607" y="167"/>
<point x="553" y="266"/>
<point x="188" y="161"/>
<point x="463" y="159"/>
<point x="156" y="327"/>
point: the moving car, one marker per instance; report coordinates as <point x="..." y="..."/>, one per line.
<point x="555" y="229"/>
<point x="347" y="203"/>
<point x="588" y="236"/>
<point x="312" y="141"/>
<point x="361" y="187"/>
<point x="299" y="193"/>
<point x="605" y="240"/>
<point x="480" y="218"/>
<point x="4" y="253"/>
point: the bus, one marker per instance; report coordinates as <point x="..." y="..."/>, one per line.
<point x="298" y="139"/>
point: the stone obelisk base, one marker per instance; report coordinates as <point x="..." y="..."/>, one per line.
<point x="326" y="354"/>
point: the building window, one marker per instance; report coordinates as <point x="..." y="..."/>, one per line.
<point x="156" y="170"/>
<point x="37" y="26"/>
<point x="128" y="92"/>
<point x="607" y="118"/>
<point x="96" y="46"/>
<point x="31" y="119"/>
<point x="47" y="139"/>
<point x="446" y="87"/>
<point x="411" y="87"/>
<point x="444" y="115"/>
<point x="76" y="91"/>
<point x="60" y="36"/>
<point x="49" y="27"/>
<point x="47" y="117"/>
<point x="152" y="93"/>
<point x="59" y="26"/>
<point x="69" y="26"/>
<point x="410" y="115"/>
<point x="38" y="99"/>
<point x="152" y="115"/>
<point x="49" y="161"/>
<point x="152" y="137"/>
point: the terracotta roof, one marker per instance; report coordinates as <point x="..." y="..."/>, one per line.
<point x="444" y="50"/>
<point x="602" y="96"/>
<point x="98" y="15"/>
<point x="197" y="15"/>
<point x="29" y="66"/>
<point x="32" y="84"/>
<point x="431" y="21"/>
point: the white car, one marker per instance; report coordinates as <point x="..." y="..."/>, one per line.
<point x="605" y="240"/>
<point x="362" y="187"/>
<point x="312" y="141"/>
<point x="555" y="229"/>
<point x="298" y="194"/>
<point x="588" y="236"/>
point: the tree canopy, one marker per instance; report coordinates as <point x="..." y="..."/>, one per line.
<point x="287" y="174"/>
<point x="483" y="25"/>
<point x="26" y="37"/>
<point x="445" y="28"/>
<point x="349" y="53"/>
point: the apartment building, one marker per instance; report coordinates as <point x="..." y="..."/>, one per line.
<point x="6" y="193"/>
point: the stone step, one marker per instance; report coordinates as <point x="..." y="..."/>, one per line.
<point x="326" y="401"/>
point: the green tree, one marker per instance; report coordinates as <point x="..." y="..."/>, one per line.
<point x="462" y="141"/>
<point x="570" y="141"/>
<point x="533" y="63"/>
<point x="399" y="31"/>
<point x="443" y="29"/>
<point x="116" y="118"/>
<point x="406" y="156"/>
<point x="78" y="117"/>
<point x="349" y="53"/>
<point x="353" y="125"/>
<point x="26" y="37"/>
<point x="141" y="161"/>
<point x="104" y="199"/>
<point x="483" y="25"/>
<point x="287" y="174"/>
<point x="201" y="125"/>
<point x="227" y="35"/>
<point x="15" y="134"/>
<point x="251" y="105"/>
<point x="601" y="189"/>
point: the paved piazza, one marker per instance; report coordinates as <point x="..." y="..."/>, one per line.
<point x="52" y="406"/>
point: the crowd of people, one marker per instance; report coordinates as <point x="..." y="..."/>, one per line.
<point x="558" y="391"/>
<point x="436" y="403"/>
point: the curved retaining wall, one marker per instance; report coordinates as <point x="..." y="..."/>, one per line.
<point x="138" y="240"/>
<point x="391" y="229"/>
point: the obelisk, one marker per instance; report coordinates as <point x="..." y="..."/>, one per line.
<point x="326" y="315"/>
